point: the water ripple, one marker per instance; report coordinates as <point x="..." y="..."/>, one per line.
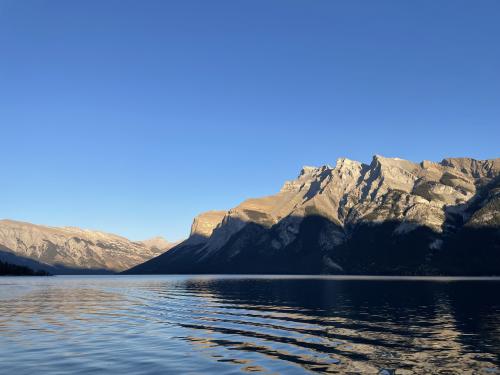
<point x="150" y="325"/>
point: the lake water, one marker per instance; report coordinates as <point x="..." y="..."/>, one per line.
<point x="225" y="325"/>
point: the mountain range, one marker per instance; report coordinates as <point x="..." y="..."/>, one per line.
<point x="389" y="217"/>
<point x="68" y="250"/>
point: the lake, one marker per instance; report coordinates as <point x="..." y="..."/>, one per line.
<point x="238" y="324"/>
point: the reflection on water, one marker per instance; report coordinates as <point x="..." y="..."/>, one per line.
<point x="162" y="324"/>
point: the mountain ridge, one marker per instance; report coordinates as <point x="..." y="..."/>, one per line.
<point x="72" y="249"/>
<point x="335" y="209"/>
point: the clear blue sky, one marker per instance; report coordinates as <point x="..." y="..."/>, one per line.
<point x="134" y="116"/>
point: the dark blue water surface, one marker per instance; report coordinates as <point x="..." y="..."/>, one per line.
<point x="271" y="325"/>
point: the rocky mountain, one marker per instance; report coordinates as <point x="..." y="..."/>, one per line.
<point x="73" y="250"/>
<point x="391" y="216"/>
<point x="158" y="244"/>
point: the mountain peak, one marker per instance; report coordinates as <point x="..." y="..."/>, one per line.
<point x="473" y="167"/>
<point x="308" y="170"/>
<point x="398" y="162"/>
<point x="345" y="163"/>
<point x="158" y="243"/>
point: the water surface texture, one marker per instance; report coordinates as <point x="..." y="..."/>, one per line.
<point x="271" y="325"/>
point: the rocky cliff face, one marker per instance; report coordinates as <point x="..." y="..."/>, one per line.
<point x="204" y="225"/>
<point x="392" y="216"/>
<point x="73" y="250"/>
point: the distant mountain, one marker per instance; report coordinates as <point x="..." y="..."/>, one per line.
<point x="391" y="216"/>
<point x="158" y="244"/>
<point x="73" y="250"/>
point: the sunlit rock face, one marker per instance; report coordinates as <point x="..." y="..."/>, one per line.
<point x="70" y="250"/>
<point x="389" y="216"/>
<point x="204" y="224"/>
